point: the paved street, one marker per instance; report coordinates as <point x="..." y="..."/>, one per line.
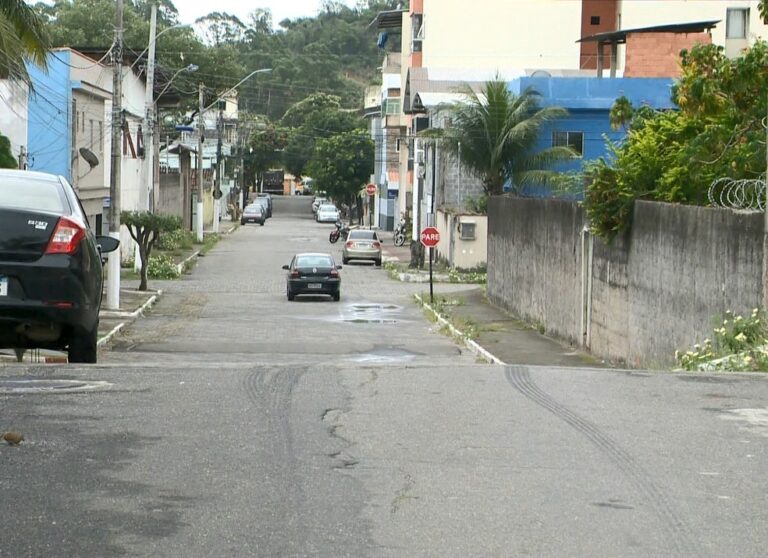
<point x="231" y="422"/>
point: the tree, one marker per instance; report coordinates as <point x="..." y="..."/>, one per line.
<point x="265" y="149"/>
<point x="342" y="164"/>
<point x="145" y="229"/>
<point x="675" y="156"/>
<point x="497" y="131"/>
<point x="316" y="117"/>
<point x="22" y="36"/>
<point x="7" y="160"/>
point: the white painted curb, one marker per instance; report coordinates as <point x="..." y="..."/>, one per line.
<point x="470" y="344"/>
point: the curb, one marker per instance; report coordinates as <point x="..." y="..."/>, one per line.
<point x="469" y="343"/>
<point x="180" y="266"/>
<point x="130" y="315"/>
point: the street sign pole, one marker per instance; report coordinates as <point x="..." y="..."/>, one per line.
<point x="431" y="292"/>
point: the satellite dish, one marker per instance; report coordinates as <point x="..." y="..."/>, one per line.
<point x="89" y="156"/>
<point x="541" y="73"/>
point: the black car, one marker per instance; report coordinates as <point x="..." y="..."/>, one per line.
<point x="254" y="213"/>
<point x="50" y="267"/>
<point x="313" y="273"/>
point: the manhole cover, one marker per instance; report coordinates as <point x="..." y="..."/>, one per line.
<point x="33" y="385"/>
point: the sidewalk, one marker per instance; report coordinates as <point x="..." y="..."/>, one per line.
<point x="496" y="336"/>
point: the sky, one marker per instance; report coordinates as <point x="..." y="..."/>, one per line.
<point x="190" y="10"/>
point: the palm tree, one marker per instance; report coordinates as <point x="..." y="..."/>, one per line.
<point x="22" y="36"/>
<point x="494" y="133"/>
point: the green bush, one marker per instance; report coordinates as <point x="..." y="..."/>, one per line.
<point x="740" y="343"/>
<point x="179" y="239"/>
<point x="162" y="267"/>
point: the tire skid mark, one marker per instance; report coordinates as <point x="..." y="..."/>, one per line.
<point x="271" y="391"/>
<point x="678" y="532"/>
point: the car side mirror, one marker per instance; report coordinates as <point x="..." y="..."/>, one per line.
<point x="338" y="267"/>
<point x="286" y="267"/>
<point x="106" y="244"/>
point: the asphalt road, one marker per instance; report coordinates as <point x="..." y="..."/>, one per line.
<point x="231" y="422"/>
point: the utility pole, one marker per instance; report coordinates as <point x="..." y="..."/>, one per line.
<point x="217" y="185"/>
<point x="149" y="113"/>
<point x="113" y="282"/>
<point x="22" y="158"/>
<point x="201" y="132"/>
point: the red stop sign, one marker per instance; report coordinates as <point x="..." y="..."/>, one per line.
<point x="370" y="189"/>
<point x="430" y="236"/>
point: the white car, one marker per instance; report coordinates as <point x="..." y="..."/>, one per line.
<point x="327" y="214"/>
<point x="317" y="202"/>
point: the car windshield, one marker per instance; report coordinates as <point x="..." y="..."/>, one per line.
<point x="327" y="209"/>
<point x="20" y="192"/>
<point x="314" y="261"/>
<point x="363" y="235"/>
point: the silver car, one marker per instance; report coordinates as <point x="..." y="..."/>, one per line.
<point x="362" y="245"/>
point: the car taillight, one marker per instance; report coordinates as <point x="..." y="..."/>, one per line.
<point x="350" y="244"/>
<point x="376" y="245"/>
<point x="334" y="273"/>
<point x="295" y="274"/>
<point x="66" y="237"/>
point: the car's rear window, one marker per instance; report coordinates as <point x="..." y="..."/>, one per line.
<point x="253" y="209"/>
<point x="363" y="235"/>
<point x="314" y="261"/>
<point x="33" y="194"/>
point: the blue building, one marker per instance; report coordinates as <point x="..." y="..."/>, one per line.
<point x="588" y="101"/>
<point x="67" y="125"/>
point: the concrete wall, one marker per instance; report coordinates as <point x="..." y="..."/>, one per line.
<point x="636" y="300"/>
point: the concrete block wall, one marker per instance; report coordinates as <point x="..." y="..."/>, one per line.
<point x="636" y="300"/>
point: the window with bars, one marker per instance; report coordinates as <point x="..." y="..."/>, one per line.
<point x="574" y="140"/>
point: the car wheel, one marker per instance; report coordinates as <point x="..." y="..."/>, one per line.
<point x="377" y="263"/>
<point x="336" y="296"/>
<point x="242" y="221"/>
<point x="262" y="223"/>
<point x="83" y="346"/>
<point x="291" y="296"/>
<point x="345" y="261"/>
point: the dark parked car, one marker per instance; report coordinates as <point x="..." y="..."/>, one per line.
<point x="313" y="273"/>
<point x="50" y="267"/>
<point x="254" y="213"/>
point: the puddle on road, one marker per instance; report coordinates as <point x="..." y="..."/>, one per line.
<point x="35" y="385"/>
<point x="364" y="313"/>
<point x="381" y="355"/>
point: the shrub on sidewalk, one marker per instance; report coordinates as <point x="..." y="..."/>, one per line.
<point x="162" y="267"/>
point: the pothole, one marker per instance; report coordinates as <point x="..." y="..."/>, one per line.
<point x="35" y="385"/>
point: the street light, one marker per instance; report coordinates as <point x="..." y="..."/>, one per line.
<point x="191" y="69"/>
<point x="201" y="128"/>
<point x="152" y="42"/>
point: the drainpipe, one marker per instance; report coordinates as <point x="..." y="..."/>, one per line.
<point x="587" y="246"/>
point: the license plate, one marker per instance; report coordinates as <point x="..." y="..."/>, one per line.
<point x="315" y="286"/>
<point x="3" y="286"/>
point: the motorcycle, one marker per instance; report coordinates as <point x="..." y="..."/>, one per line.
<point x="340" y="230"/>
<point x="399" y="236"/>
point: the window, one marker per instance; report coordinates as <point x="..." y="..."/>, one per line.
<point x="736" y="21"/>
<point x="574" y="140"/>
<point x="467" y="231"/>
<point x="392" y="106"/>
<point x="594" y="20"/>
